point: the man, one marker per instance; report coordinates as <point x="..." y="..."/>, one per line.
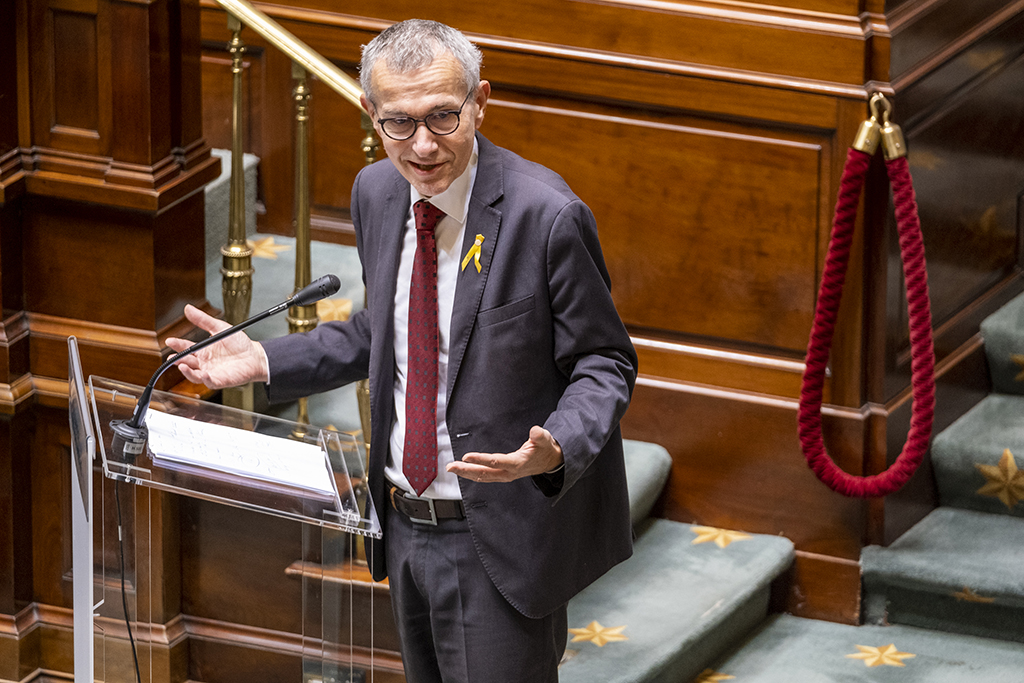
<point x="496" y="389"/>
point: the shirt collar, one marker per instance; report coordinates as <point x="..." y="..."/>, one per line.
<point x="455" y="200"/>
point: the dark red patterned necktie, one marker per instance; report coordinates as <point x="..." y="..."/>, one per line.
<point x="419" y="457"/>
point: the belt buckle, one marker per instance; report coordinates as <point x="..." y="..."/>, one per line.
<point x="433" y="513"/>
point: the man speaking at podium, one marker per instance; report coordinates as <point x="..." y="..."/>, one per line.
<point x="498" y="366"/>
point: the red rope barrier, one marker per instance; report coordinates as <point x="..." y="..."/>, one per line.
<point x="922" y="351"/>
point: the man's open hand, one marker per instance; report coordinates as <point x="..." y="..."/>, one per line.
<point x="541" y="453"/>
<point x="231" y="362"/>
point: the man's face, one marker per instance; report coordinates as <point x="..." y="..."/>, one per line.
<point x="430" y="162"/>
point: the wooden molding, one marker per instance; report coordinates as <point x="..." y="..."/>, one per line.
<point x="769" y="21"/>
<point x="99" y="180"/>
<point x="294" y="644"/>
<point x="12" y="176"/>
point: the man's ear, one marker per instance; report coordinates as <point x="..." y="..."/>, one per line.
<point x="367" y="105"/>
<point x="483" y="92"/>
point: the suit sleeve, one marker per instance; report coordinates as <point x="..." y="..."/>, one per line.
<point x="332" y="355"/>
<point x="591" y="345"/>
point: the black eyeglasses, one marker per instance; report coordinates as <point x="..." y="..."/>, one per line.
<point x="439" y="123"/>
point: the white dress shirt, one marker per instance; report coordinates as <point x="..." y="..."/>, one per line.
<point x="448" y="235"/>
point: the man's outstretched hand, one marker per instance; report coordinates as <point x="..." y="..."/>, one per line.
<point x="233" y="361"/>
<point x="541" y="453"/>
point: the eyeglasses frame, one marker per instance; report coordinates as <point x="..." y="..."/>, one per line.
<point x="417" y="122"/>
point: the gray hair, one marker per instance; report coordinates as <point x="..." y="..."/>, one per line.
<point x="415" y="43"/>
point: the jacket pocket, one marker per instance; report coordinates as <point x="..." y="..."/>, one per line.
<point x="498" y="314"/>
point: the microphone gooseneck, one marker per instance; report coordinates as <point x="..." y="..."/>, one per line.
<point x="130" y="435"/>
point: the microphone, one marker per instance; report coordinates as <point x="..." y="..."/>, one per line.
<point x="130" y="435"/>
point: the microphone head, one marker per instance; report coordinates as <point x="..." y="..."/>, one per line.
<point x="321" y="288"/>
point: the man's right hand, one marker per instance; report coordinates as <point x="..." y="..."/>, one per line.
<point x="233" y="361"/>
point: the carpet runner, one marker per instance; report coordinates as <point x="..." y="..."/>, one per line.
<point x="787" y="649"/>
<point x="961" y="569"/>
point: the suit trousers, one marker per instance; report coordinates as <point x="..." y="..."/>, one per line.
<point x="453" y="624"/>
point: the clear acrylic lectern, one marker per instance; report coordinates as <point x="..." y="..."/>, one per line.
<point x="218" y="454"/>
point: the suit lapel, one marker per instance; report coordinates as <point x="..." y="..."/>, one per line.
<point x="390" y="231"/>
<point x="483" y="219"/>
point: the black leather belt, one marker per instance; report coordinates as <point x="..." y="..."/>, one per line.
<point x="425" y="510"/>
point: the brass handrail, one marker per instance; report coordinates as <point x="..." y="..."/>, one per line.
<point x="301" y="53"/>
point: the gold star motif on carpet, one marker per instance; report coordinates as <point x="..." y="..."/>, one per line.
<point x="881" y="656"/>
<point x="265" y="248"/>
<point x="968" y="595"/>
<point x="597" y="634"/>
<point x="721" y="537"/>
<point x="333" y="309"/>
<point x="712" y="676"/>
<point x="1018" y="358"/>
<point x="1005" y="481"/>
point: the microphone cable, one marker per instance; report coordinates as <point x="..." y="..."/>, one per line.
<point x="124" y="596"/>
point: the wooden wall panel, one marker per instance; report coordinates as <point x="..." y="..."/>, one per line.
<point x="714" y="236"/>
<point x="334" y="142"/>
<point x="71" y="103"/>
<point x="75" y="79"/>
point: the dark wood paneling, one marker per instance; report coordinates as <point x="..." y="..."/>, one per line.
<point x="83" y="259"/>
<point x="965" y="131"/>
<point x="924" y="31"/>
<point x="16" y="515"/>
<point x="334" y="139"/>
<point x="219" y="578"/>
<point x="11" y="268"/>
<point x="51" y="514"/>
<point x="70" y="65"/>
<point x="66" y="249"/>
<point x="186" y="121"/>
<point x="75" y="81"/>
<point x="8" y="81"/>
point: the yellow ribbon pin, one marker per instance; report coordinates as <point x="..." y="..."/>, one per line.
<point x="474" y="253"/>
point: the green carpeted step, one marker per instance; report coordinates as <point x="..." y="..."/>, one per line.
<point x="686" y="596"/>
<point x="975" y="459"/>
<point x="647" y="466"/>
<point x="956" y="570"/>
<point x="788" y="649"/>
<point x="1003" y="332"/>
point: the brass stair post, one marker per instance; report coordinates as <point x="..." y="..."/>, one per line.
<point x="302" y="318"/>
<point x="236" y="269"/>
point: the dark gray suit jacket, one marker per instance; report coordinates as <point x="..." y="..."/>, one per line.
<point x="535" y="339"/>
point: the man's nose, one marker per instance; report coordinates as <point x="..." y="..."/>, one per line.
<point x="424" y="142"/>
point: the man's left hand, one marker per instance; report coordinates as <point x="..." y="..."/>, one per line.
<point x="541" y="453"/>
